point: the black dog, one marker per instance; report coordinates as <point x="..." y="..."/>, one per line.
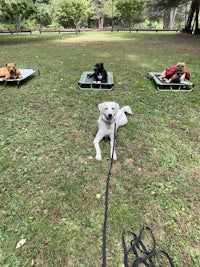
<point x="100" y="74"/>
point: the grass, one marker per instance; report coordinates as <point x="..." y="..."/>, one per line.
<point x="49" y="177"/>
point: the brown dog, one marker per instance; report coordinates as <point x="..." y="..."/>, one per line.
<point x="176" y="73"/>
<point x="10" y="71"/>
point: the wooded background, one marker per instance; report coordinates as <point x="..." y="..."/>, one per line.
<point x="38" y="14"/>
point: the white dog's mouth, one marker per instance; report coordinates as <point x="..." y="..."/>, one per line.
<point x="110" y="119"/>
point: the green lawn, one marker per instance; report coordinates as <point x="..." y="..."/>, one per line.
<point x="49" y="177"/>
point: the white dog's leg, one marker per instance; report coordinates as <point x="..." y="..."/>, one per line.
<point x="96" y="141"/>
<point x="112" y="148"/>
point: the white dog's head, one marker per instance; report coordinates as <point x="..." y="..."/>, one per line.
<point x="108" y="111"/>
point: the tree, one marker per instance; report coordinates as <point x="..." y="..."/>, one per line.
<point x="72" y="12"/>
<point x="101" y="10"/>
<point x="166" y="9"/>
<point x="130" y="11"/>
<point x="17" y="11"/>
<point x="192" y="25"/>
<point x="43" y="15"/>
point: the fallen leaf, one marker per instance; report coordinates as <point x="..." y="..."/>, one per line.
<point x="21" y="243"/>
<point x="65" y="123"/>
<point x="129" y="160"/>
<point x="33" y="262"/>
<point x="46" y="241"/>
<point x="98" y="196"/>
<point x="45" y="211"/>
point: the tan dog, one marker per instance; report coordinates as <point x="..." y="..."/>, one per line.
<point x="10" y="71"/>
<point x="176" y="73"/>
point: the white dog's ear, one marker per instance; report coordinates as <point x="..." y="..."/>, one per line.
<point x="100" y="106"/>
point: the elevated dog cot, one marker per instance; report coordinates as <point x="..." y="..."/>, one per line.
<point x="25" y="74"/>
<point x="86" y="83"/>
<point x="161" y="85"/>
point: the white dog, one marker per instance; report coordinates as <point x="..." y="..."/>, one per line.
<point x="111" y="117"/>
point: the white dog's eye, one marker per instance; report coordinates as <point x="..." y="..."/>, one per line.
<point x="113" y="108"/>
<point x="106" y="108"/>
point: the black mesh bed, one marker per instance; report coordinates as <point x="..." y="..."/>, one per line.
<point x="86" y="83"/>
<point x="161" y="85"/>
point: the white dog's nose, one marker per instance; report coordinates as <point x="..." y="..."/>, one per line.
<point x="109" y="115"/>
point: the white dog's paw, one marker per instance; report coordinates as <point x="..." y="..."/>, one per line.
<point x="113" y="156"/>
<point x="98" y="157"/>
<point x="183" y="82"/>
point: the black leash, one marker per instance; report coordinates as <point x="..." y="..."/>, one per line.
<point x="139" y="251"/>
<point x="106" y="204"/>
<point x="138" y="248"/>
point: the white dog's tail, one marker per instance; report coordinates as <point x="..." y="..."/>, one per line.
<point x="121" y="116"/>
<point x="127" y="109"/>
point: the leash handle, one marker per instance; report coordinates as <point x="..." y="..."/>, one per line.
<point x="137" y="245"/>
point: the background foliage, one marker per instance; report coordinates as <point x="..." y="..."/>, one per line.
<point x="37" y="14"/>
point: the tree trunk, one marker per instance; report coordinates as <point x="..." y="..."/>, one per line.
<point x="172" y="17"/>
<point x="77" y="26"/>
<point x="194" y="10"/>
<point x="17" y="24"/>
<point x="197" y="31"/>
<point x="169" y="18"/>
<point x="89" y="22"/>
<point x="101" y="22"/>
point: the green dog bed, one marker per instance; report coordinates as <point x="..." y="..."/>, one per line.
<point x="86" y="83"/>
<point x="161" y="85"/>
